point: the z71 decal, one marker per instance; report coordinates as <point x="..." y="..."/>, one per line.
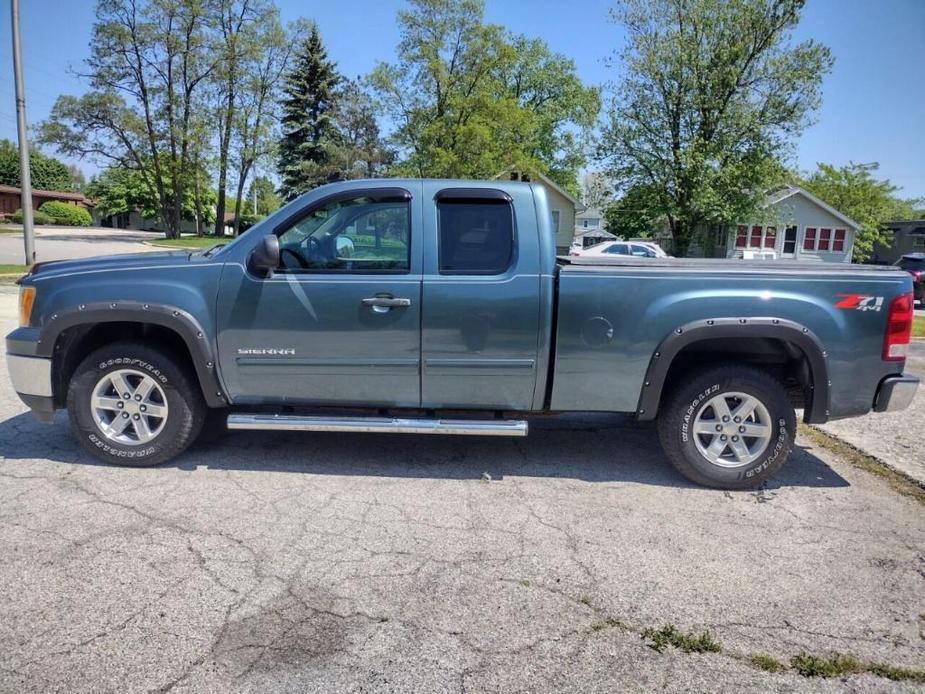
<point x="860" y="302"/>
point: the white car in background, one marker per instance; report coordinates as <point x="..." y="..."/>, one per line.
<point x="638" y="249"/>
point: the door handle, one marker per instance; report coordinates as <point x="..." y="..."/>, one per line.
<point x="386" y="302"/>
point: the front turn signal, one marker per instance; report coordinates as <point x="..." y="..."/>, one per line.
<point x="26" y="300"/>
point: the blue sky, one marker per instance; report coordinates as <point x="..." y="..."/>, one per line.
<point x="874" y="100"/>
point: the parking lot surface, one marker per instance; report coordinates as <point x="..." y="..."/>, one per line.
<point x="328" y="562"/>
<point x="66" y="243"/>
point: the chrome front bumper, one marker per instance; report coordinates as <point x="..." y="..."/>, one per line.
<point x="30" y="375"/>
<point x="895" y="393"/>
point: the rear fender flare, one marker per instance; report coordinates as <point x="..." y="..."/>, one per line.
<point x="817" y="409"/>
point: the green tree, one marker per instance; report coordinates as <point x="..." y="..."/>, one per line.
<point x="122" y="191"/>
<point x="596" y="190"/>
<point x="359" y="150"/>
<point x="308" y="117"/>
<point x="264" y="191"/>
<point x="712" y="96"/>
<point x="635" y="214"/>
<point x="855" y="191"/>
<point x="236" y="43"/>
<point x="469" y="100"/>
<point x="254" y="133"/>
<point x="46" y="172"/>
<point x="148" y="68"/>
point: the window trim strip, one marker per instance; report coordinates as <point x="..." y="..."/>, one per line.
<point x="452" y="195"/>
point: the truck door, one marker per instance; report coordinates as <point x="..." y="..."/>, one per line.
<point x="480" y="315"/>
<point x="339" y="322"/>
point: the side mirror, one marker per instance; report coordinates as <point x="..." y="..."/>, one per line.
<point x="264" y="259"/>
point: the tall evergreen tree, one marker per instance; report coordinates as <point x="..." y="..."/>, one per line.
<point x="309" y="130"/>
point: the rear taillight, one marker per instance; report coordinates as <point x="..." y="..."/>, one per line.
<point x="898" y="328"/>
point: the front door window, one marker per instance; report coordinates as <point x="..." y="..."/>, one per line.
<point x="358" y="235"/>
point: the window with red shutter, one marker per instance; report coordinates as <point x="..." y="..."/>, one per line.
<point x="755" y="240"/>
<point x="825" y="236"/>
<point x="770" y="237"/>
<point x="809" y="239"/>
<point x="741" y="236"/>
<point x="839" y="243"/>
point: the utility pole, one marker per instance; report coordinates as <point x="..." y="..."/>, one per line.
<point x="25" y="179"/>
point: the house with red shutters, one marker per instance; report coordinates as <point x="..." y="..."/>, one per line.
<point x="795" y="225"/>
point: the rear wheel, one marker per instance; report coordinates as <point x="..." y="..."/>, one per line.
<point x="131" y="404"/>
<point x="731" y="427"/>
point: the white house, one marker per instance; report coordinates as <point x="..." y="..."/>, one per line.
<point x="592" y="237"/>
<point x="563" y="205"/>
<point x="590" y="219"/>
<point x="797" y="226"/>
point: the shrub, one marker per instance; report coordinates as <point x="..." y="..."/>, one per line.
<point x="248" y="219"/>
<point x="38" y="217"/>
<point x="67" y="215"/>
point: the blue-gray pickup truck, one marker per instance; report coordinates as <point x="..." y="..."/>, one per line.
<point x="440" y="307"/>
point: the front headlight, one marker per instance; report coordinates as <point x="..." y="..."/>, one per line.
<point x="26" y="300"/>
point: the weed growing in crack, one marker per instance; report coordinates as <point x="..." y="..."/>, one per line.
<point x="835" y="665"/>
<point x="585" y="600"/>
<point x="688" y="642"/>
<point x="766" y="662"/>
<point x="897" y="674"/>
<point x="609" y="623"/>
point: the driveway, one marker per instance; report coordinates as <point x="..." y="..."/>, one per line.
<point x="328" y="562"/>
<point x="65" y="243"/>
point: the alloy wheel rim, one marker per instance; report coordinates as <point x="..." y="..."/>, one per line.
<point x="732" y="429"/>
<point x="129" y="407"/>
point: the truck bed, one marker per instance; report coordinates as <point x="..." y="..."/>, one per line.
<point x="613" y="314"/>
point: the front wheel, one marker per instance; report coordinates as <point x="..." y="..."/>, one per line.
<point x="131" y="404"/>
<point x="730" y="427"/>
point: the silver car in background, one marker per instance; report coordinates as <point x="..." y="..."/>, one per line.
<point x="637" y="249"/>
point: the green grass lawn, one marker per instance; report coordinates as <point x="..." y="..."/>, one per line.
<point x="191" y="241"/>
<point x="10" y="273"/>
<point x="918" y="326"/>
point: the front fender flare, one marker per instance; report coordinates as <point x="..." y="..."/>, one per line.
<point x="817" y="409"/>
<point x="176" y="319"/>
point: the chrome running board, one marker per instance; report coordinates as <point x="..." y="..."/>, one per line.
<point x="385" y="425"/>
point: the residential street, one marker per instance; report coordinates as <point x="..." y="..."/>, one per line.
<point x="64" y="243"/>
<point x="328" y="562"/>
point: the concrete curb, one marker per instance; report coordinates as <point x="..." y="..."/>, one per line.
<point x="879" y="461"/>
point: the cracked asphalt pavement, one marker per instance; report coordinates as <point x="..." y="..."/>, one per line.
<point x="328" y="562"/>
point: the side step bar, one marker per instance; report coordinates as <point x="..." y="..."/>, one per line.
<point x="385" y="425"/>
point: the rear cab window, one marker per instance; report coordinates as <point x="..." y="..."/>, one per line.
<point x="475" y="232"/>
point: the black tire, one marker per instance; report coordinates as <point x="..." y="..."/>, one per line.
<point x="214" y="425"/>
<point x="692" y="397"/>
<point x="185" y="405"/>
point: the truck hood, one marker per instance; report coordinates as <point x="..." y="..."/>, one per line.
<point x="128" y="261"/>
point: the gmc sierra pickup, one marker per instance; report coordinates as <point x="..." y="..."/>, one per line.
<point x="440" y="307"/>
